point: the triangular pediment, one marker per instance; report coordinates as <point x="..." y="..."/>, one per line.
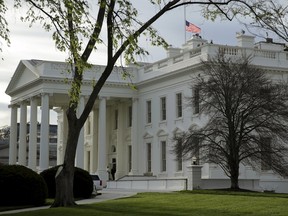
<point x="177" y="130"/>
<point x="25" y="73"/>
<point x="27" y="76"/>
<point x="147" y="135"/>
<point x="162" y="132"/>
<point x="194" y="127"/>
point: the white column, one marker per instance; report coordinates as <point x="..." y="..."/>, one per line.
<point x="22" y="134"/>
<point x="102" y="172"/>
<point x="32" y="159"/>
<point x="134" y="138"/>
<point x="121" y="155"/>
<point x="80" y="145"/>
<point x="44" y="133"/>
<point x="61" y="133"/>
<point x="94" y="131"/>
<point x="13" y="136"/>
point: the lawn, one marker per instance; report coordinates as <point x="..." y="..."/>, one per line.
<point x="181" y="203"/>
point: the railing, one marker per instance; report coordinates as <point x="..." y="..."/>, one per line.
<point x="230" y="51"/>
<point x="227" y="50"/>
<point x="265" y="54"/>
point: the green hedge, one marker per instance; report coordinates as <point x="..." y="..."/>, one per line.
<point x="20" y="185"/>
<point x="83" y="183"/>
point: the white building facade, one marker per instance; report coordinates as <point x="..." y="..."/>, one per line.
<point x="132" y="129"/>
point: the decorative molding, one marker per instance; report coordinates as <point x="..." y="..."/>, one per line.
<point x="162" y="132"/>
<point x="194" y="127"/>
<point x="147" y="135"/>
<point x="177" y="130"/>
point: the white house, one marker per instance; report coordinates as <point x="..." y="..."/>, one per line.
<point x="132" y="129"/>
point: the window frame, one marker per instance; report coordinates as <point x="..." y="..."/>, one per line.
<point x="130" y="116"/>
<point x="148" y="111"/>
<point x="163" y="108"/>
<point x="179" y="162"/>
<point x="149" y="156"/>
<point x="163" y="156"/>
<point x="179" y="106"/>
<point x="129" y="158"/>
<point x="266" y="155"/>
<point x="116" y="116"/>
<point x="196" y="100"/>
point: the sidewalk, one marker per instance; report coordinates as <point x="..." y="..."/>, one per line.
<point x="107" y="194"/>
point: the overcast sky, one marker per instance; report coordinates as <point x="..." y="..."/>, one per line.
<point x="35" y="43"/>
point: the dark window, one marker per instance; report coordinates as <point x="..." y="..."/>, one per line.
<point x="196" y="100"/>
<point x="179" y="105"/>
<point x="129" y="116"/>
<point x="266" y="159"/>
<point x="116" y="119"/>
<point x="163" y="108"/>
<point x="163" y="156"/>
<point x="148" y="107"/>
<point x="149" y="157"/>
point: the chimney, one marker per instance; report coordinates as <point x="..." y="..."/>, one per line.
<point x="245" y="41"/>
<point x="171" y="51"/>
<point x="195" y="42"/>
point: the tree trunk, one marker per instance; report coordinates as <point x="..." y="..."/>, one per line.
<point x="234" y="178"/>
<point x="65" y="175"/>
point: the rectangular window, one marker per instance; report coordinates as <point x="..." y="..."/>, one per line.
<point x="266" y="159"/>
<point x="148" y="110"/>
<point x="179" y="161"/>
<point x="149" y="157"/>
<point x="163" y="156"/>
<point x="129" y="116"/>
<point x="196" y="100"/>
<point x="116" y="119"/>
<point x="129" y="158"/>
<point x="196" y="150"/>
<point x="163" y="108"/>
<point x="179" y="105"/>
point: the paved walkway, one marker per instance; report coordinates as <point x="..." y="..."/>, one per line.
<point x="107" y="194"/>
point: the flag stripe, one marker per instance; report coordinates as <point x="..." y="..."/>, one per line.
<point x="190" y="27"/>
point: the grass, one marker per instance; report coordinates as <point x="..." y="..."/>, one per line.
<point x="198" y="203"/>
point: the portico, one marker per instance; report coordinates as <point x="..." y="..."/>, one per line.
<point x="104" y="136"/>
<point x="27" y="143"/>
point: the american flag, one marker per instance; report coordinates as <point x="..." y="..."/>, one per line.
<point x="190" y="27"/>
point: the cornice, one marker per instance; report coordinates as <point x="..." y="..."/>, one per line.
<point x="168" y="76"/>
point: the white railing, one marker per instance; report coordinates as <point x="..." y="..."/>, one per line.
<point x="211" y="49"/>
<point x="265" y="54"/>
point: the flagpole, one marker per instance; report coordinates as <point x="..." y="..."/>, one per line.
<point x="184" y="24"/>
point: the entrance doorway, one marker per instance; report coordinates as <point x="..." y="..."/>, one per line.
<point x="113" y="169"/>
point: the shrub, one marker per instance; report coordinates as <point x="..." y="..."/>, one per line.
<point x="83" y="183"/>
<point x="20" y="185"/>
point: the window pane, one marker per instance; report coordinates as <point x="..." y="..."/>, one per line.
<point x="163" y="155"/>
<point x="163" y="108"/>
<point x="129" y="158"/>
<point x="266" y="159"/>
<point x="129" y="116"/>
<point x="149" y="157"/>
<point x="116" y="119"/>
<point x="196" y="98"/>
<point x="179" y="105"/>
<point x="179" y="161"/>
<point x="196" y="153"/>
<point x="148" y="106"/>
